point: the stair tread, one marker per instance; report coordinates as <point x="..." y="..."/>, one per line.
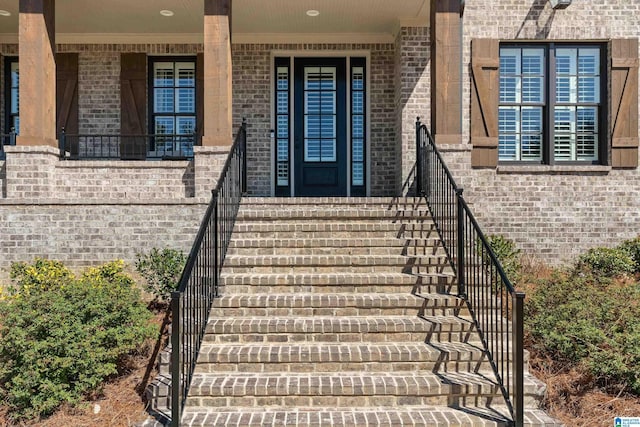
<point x="424" y="416"/>
<point x="339" y="352"/>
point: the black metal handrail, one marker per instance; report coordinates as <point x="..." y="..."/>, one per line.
<point x="126" y="147"/>
<point x="496" y="306"/>
<point x="200" y="280"/>
<point x="7" y="139"/>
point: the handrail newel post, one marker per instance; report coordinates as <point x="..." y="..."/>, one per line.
<point x="460" y="264"/>
<point x="244" y="155"/>
<point x="216" y="249"/>
<point x="419" y="143"/>
<point x="518" y="357"/>
<point x="12" y="136"/>
<point x="176" y="383"/>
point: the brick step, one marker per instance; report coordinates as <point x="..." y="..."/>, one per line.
<point x="346" y="389"/>
<point x="334" y="304"/>
<point x="335" y="282"/>
<point x="285" y="202"/>
<point x="337" y="263"/>
<point x="339" y="357"/>
<point x="336" y="228"/>
<point x="339" y="329"/>
<point x="409" y="416"/>
<point x="253" y="283"/>
<point x="315" y="213"/>
<point x="357" y="244"/>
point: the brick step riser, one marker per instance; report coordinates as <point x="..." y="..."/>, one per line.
<point x="336" y="311"/>
<point x="343" y="401"/>
<point x="357" y="240"/>
<point x="314" y="214"/>
<point x="371" y="229"/>
<point x="311" y="269"/>
<point x="355" y="337"/>
<point x="335" y="260"/>
<point x="258" y="289"/>
<point x="342" y="250"/>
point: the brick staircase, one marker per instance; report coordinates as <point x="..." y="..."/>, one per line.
<point x="342" y="312"/>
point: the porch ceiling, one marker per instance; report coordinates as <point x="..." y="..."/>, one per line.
<point x="84" y="20"/>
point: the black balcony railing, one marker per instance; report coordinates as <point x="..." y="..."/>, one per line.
<point x="7" y="139"/>
<point x="126" y="147"/>
<point x="496" y="307"/>
<point x="199" y="283"/>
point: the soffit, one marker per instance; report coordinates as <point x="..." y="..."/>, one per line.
<point x="248" y="17"/>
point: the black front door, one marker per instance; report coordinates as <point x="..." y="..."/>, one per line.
<point x="320" y="140"/>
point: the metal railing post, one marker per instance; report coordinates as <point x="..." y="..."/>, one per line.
<point x="62" y="143"/>
<point x="518" y="358"/>
<point x="460" y="264"/>
<point x="176" y="368"/>
<point x="244" y="155"/>
<point x="12" y="136"/>
<point x="216" y="248"/>
<point x="419" y="144"/>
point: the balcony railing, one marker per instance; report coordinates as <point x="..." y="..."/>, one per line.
<point x="200" y="280"/>
<point x="496" y="307"/>
<point x="127" y="147"/>
<point x="7" y="139"/>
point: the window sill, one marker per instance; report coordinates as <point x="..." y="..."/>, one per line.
<point x="554" y="169"/>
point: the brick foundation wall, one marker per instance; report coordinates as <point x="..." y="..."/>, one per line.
<point x="82" y="234"/>
<point x="553" y="213"/>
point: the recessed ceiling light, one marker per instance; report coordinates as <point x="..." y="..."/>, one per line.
<point x="313" y="12"/>
<point x="166" y="12"/>
<point x="5" y="13"/>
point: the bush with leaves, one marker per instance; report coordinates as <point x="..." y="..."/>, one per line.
<point x="161" y="268"/>
<point x="632" y="247"/>
<point x="508" y="255"/>
<point x="588" y="321"/>
<point x="61" y="336"/>
<point x="607" y="262"/>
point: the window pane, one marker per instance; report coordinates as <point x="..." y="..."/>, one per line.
<point x="532" y="89"/>
<point x="328" y="150"/>
<point x="509" y="129"/>
<point x="357" y="126"/>
<point x="509" y="89"/>
<point x="587" y="133"/>
<point x="358" y="78"/>
<point x="566" y="71"/>
<point x="185" y="125"/>
<point x="312" y="150"/>
<point x="186" y="101"/>
<point x="312" y="102"/>
<point x="509" y="61"/>
<point x="15" y="74"/>
<point x="283" y="126"/>
<point x="15" y="101"/>
<point x="328" y="124"/>
<point x="531" y="134"/>
<point x="163" y="74"/>
<point x="564" y="128"/>
<point x="283" y="102"/>
<point x="358" y="103"/>
<point x="186" y="72"/>
<point x="283" y="79"/>
<point x="312" y="127"/>
<point x="358" y="174"/>
<point x="163" y="101"/>
<point x="358" y="150"/>
<point x="164" y="125"/>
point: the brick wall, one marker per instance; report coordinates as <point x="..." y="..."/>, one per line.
<point x="252" y="99"/>
<point x="88" y="234"/>
<point x="412" y="96"/>
<point x="554" y="213"/>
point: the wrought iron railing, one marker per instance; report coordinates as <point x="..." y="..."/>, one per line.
<point x="126" y="147"/>
<point x="7" y="139"/>
<point x="496" y="306"/>
<point x="199" y="283"/>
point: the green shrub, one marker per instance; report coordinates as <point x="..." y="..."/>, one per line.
<point x="607" y="262"/>
<point x="591" y="322"/>
<point x="161" y="268"/>
<point x="632" y="247"/>
<point x="508" y="255"/>
<point x="61" y="336"/>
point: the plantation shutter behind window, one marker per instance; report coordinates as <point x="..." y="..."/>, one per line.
<point x="133" y="105"/>
<point x="67" y="97"/>
<point x="485" y="89"/>
<point x="624" y="103"/>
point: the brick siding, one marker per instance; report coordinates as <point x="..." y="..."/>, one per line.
<point x="82" y="234"/>
<point x="552" y="213"/>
